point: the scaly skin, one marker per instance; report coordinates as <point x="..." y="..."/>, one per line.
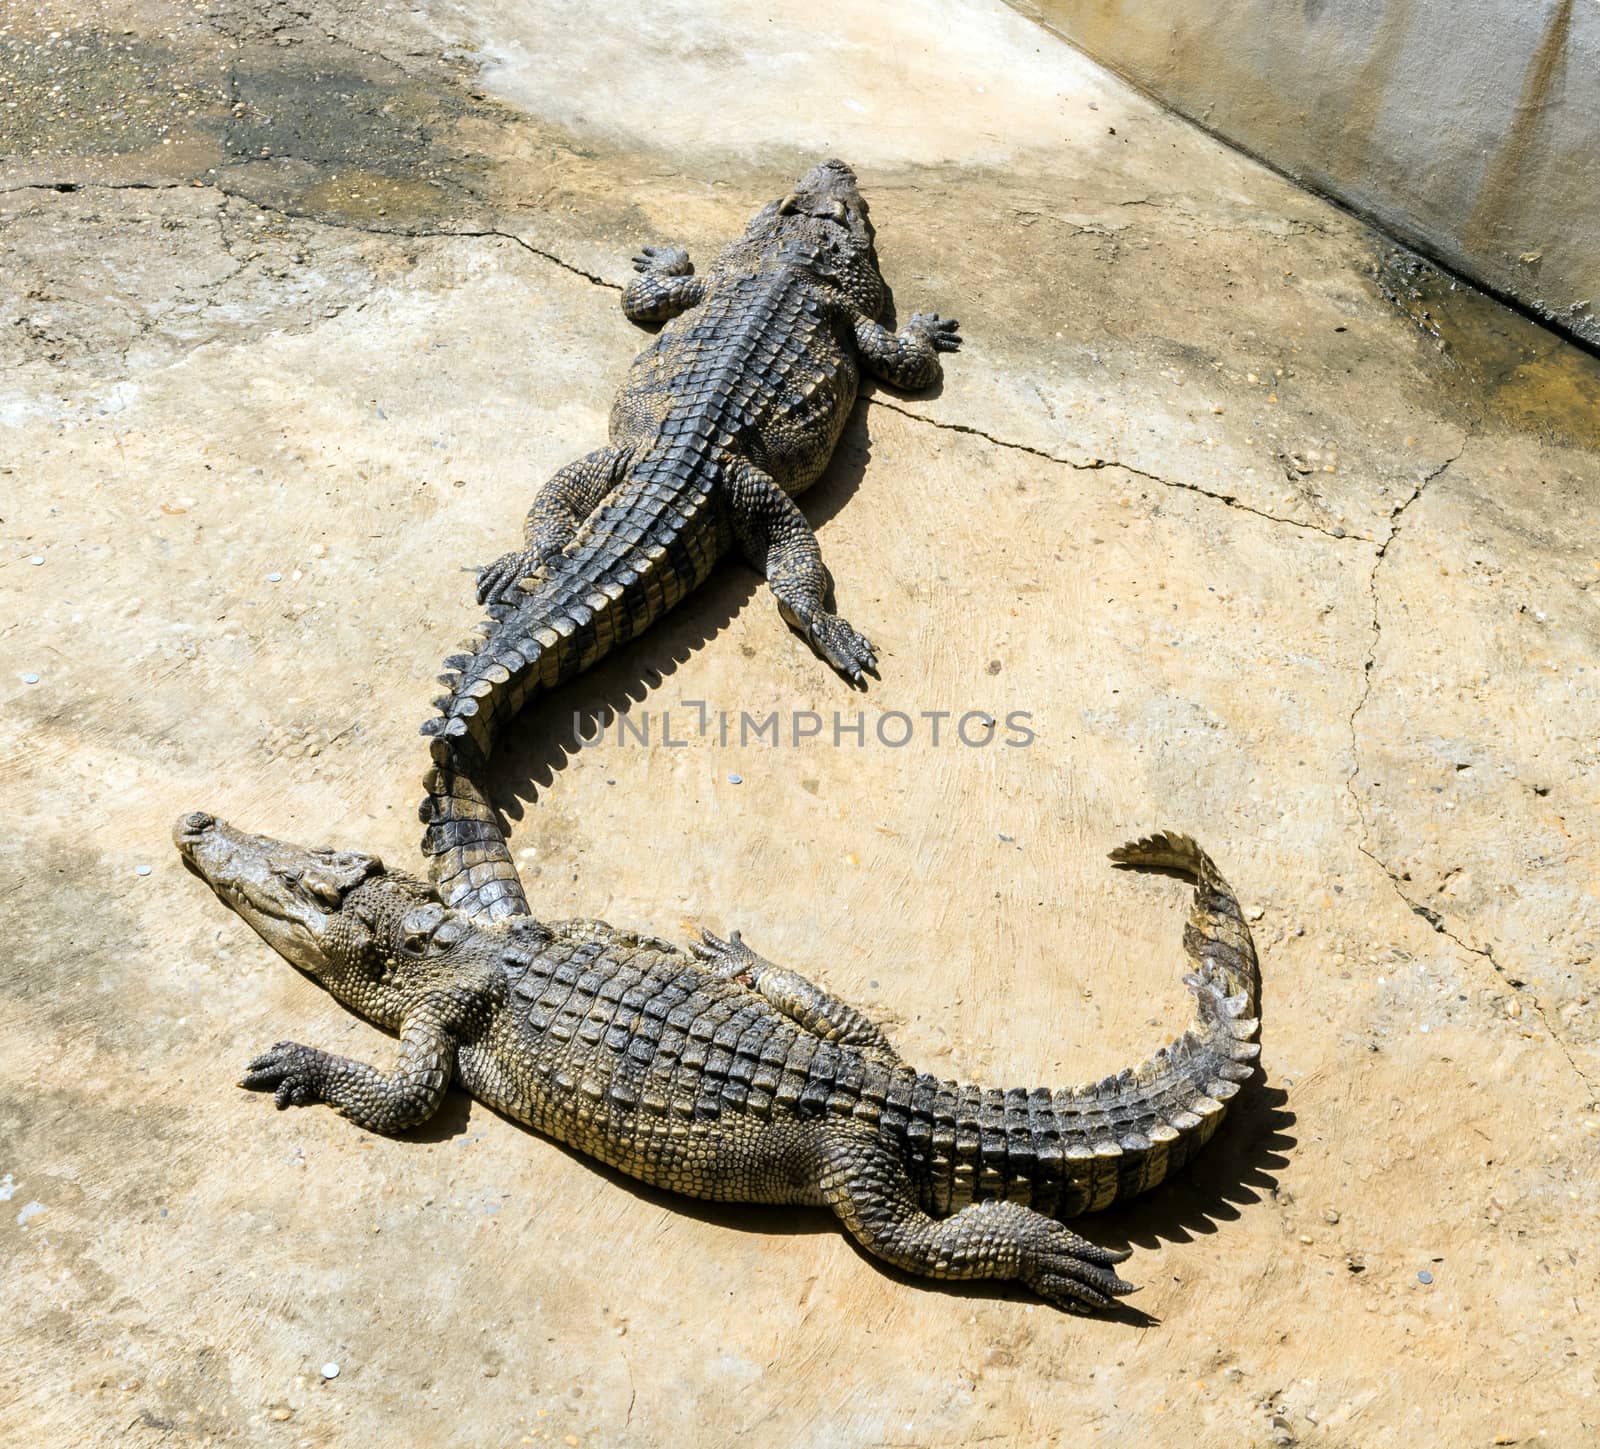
<point x="733" y="410"/>
<point x="720" y="1075"/>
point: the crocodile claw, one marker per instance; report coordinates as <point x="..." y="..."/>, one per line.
<point x="501" y="577"/>
<point x="849" y="652"/>
<point x="941" y="331"/>
<point x="729" y="960"/>
<point x="664" y="261"/>
<point x="1072" y="1272"/>
<point x="287" y="1071"/>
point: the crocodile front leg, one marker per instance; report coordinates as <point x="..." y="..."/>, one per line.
<point x="908" y="358"/>
<point x="776" y="538"/>
<point x="802" y="1001"/>
<point x="559" y="510"/>
<point x="863" y="1181"/>
<point x="666" y="285"/>
<point x="379" y="1101"/>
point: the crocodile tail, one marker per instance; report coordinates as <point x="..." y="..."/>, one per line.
<point x="1079" y="1149"/>
<point x="554" y="632"/>
<point x="468" y="857"/>
<point x="1150" y="1119"/>
<point x="559" y="623"/>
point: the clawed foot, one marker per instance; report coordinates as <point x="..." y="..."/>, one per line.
<point x="664" y="261"/>
<point x="941" y="331"/>
<point x="288" y="1070"/>
<point x="729" y="960"/>
<point x="501" y="578"/>
<point x="1071" y="1272"/>
<point x="849" y="652"/>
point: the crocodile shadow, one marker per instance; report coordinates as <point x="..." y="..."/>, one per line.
<point x="454" y="1117"/>
<point x="1236" y="1168"/>
<point x="540" y="741"/>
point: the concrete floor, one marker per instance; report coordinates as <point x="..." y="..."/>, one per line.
<point x="1276" y="536"/>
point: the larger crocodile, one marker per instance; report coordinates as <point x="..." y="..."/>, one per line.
<point x="720" y="1075"/>
<point x="732" y="411"/>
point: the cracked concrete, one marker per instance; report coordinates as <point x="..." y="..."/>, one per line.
<point x="1275" y="536"/>
<point x="1228" y="498"/>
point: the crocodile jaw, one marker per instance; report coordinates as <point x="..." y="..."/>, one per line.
<point x="290" y="896"/>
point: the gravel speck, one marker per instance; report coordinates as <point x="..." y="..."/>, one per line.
<point x="1424" y="1277"/>
<point x="274" y="578"/>
<point x="736" y="779"/>
<point x="330" y="1370"/>
<point x="30" y="678"/>
<point x="36" y="559"/>
<point x="141" y="870"/>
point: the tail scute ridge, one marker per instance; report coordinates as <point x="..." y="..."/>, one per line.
<point x="1167" y="850"/>
<point x="1155" y="1116"/>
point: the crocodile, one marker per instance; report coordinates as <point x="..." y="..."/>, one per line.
<point x="731" y="412"/>
<point x="714" y="1073"/>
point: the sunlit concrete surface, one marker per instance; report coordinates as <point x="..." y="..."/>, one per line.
<point x="1470" y="129"/>
<point x="1274" y="536"/>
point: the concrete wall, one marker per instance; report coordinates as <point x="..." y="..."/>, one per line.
<point x="1468" y="127"/>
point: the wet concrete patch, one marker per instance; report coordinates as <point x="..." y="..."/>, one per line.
<point x="353" y="112"/>
<point x="1493" y="365"/>
<point x="89" y="92"/>
<point x="332" y="133"/>
<point x="306" y="124"/>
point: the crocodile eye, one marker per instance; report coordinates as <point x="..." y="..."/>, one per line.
<point x="324" y="889"/>
<point x="789" y="205"/>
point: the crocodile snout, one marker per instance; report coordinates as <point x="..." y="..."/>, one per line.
<point x="191" y="827"/>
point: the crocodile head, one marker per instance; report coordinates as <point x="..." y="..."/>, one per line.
<point x="336" y="914"/>
<point x="824" y="207"/>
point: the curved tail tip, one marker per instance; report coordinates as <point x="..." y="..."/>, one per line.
<point x="1170" y="851"/>
<point x="1163" y="848"/>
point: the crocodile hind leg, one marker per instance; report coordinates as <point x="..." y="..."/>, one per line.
<point x="666" y="285"/>
<point x="863" y="1181"/>
<point x="559" y="509"/>
<point x="802" y="1001"/>
<point x="776" y="538"/>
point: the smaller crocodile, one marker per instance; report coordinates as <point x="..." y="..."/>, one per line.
<point x="719" y="1075"/>
<point x="730" y="413"/>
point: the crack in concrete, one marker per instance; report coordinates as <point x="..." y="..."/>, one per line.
<point x="418" y="233"/>
<point x="1395" y="878"/>
<point x="68" y="188"/>
<point x="551" y="257"/>
<point x="1439" y="924"/>
<point x="1098" y="464"/>
<point x="268" y="30"/>
<point x="65" y="188"/>
<point x="873" y="399"/>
